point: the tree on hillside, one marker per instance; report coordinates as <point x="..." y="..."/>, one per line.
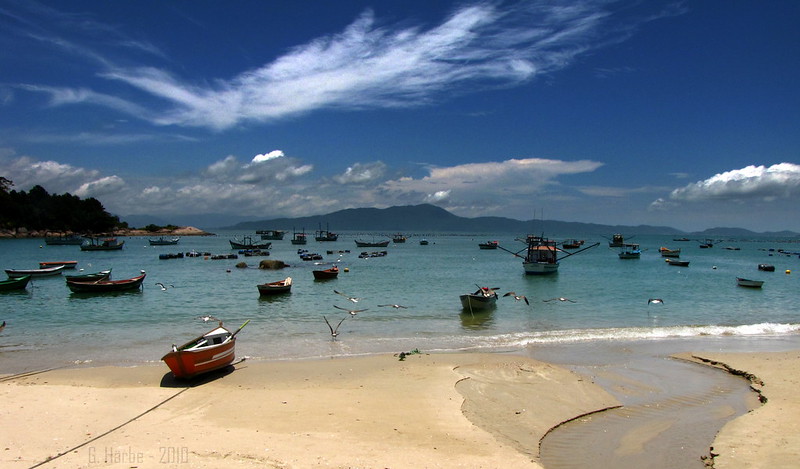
<point x="38" y="210"/>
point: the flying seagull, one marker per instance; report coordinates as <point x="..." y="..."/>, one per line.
<point x="559" y="299"/>
<point x="163" y="287"/>
<point x="394" y="306"/>
<point x="209" y="318"/>
<point x="657" y="301"/>
<point x="334" y="331"/>
<point x="351" y="298"/>
<point x="518" y="297"/>
<point x="352" y="312"/>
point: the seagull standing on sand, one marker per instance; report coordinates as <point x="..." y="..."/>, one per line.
<point x="351" y="298"/>
<point x="334" y="331"/>
<point x="657" y="301"/>
<point x="518" y="297"/>
<point x="352" y="312"/>
<point x="559" y="299"/>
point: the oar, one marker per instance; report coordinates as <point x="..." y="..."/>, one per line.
<point x="239" y="329"/>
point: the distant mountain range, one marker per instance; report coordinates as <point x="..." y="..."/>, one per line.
<point x="428" y="218"/>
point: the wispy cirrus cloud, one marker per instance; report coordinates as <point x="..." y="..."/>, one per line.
<point x="367" y="65"/>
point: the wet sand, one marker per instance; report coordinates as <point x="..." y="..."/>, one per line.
<point x="440" y="410"/>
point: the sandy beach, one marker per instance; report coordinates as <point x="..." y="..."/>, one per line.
<point x="429" y="410"/>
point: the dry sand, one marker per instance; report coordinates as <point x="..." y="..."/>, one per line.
<point x="443" y="410"/>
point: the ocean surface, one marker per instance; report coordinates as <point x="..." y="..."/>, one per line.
<point x="48" y="326"/>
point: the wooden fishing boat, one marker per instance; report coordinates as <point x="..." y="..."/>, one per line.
<point x="667" y="252"/>
<point x="541" y="257"/>
<point x="102" y="244"/>
<point x="46" y="272"/>
<point x="15" y="283"/>
<point x="91" y="277"/>
<point x="744" y="282"/>
<point x="617" y="241"/>
<point x="483" y="298"/>
<point x="630" y="251"/>
<point x="299" y="238"/>
<point x="63" y="240"/>
<point x="488" y="245"/>
<point x="162" y="241"/>
<point x="211" y="351"/>
<point x="107" y="286"/>
<point x="274" y="235"/>
<point x="372" y="244"/>
<point x="275" y="288"/>
<point x="248" y="243"/>
<point x="326" y="274"/>
<point x="66" y="264"/>
<point x="572" y="244"/>
<point x="677" y="263"/>
<point x="325" y="235"/>
<point x="399" y="238"/>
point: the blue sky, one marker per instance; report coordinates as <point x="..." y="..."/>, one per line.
<point x="685" y="114"/>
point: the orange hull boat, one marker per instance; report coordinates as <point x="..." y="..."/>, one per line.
<point x="211" y="351"/>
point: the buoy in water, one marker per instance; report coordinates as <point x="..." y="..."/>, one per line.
<point x="788" y="271"/>
<point x="347" y="269"/>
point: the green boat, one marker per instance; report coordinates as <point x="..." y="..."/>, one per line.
<point x="16" y="283"/>
<point x="102" y="275"/>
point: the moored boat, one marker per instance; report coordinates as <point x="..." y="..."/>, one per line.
<point x="667" y="252"/>
<point x="66" y="264"/>
<point x="162" y="241"/>
<point x="248" y="243"/>
<point x="102" y="244"/>
<point x="617" y="241"/>
<point x="541" y="257"/>
<point x="488" y="245"/>
<point x="299" y="238"/>
<point x="106" y="286"/>
<point x="211" y="351"/>
<point x="630" y="251"/>
<point x="63" y="240"/>
<point x="90" y="277"/>
<point x="274" y="288"/>
<point x="677" y="263"/>
<point x="398" y="238"/>
<point x="572" y="244"/>
<point x="423" y="242"/>
<point x="766" y="267"/>
<point x="273" y="235"/>
<point x="745" y="282"/>
<point x="326" y="274"/>
<point x="15" y="283"/>
<point x="325" y="235"/>
<point x="372" y="244"/>
<point x="483" y="298"/>
<point x="45" y="272"/>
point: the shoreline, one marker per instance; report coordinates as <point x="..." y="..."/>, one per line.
<point x="22" y="233"/>
<point x="430" y="410"/>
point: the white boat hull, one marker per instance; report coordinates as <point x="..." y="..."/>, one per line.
<point x="540" y="268"/>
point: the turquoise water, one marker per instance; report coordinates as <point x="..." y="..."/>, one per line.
<point x="50" y="326"/>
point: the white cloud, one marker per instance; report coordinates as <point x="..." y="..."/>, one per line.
<point x="361" y="173"/>
<point x="269" y="156"/>
<point x="100" y="187"/>
<point x="370" y="64"/>
<point x="751" y="182"/>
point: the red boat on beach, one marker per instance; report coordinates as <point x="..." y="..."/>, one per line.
<point x="211" y="351"/>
